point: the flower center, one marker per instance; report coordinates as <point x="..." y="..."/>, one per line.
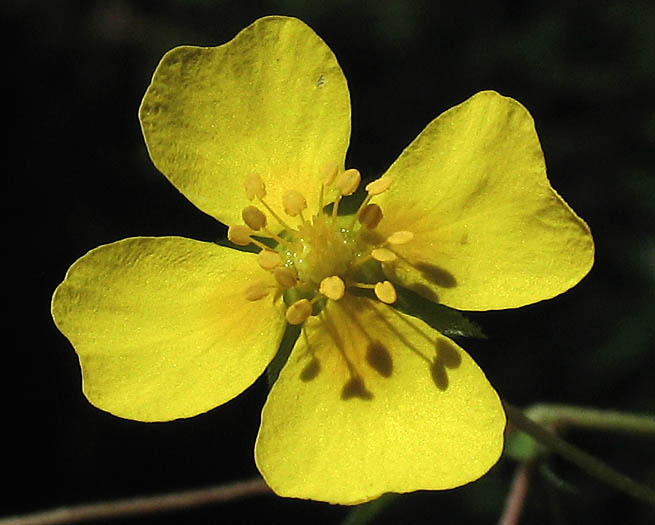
<point x="322" y="249"/>
<point x="321" y="258"/>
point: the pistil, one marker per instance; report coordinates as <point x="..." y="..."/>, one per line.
<point x="319" y="258"/>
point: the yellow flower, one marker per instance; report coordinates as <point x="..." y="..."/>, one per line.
<point x="371" y="400"/>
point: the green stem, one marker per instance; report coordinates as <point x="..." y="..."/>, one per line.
<point x="565" y="415"/>
<point x="585" y="461"/>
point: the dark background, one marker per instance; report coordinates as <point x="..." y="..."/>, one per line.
<point x="79" y="176"/>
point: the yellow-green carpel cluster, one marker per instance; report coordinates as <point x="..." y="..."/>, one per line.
<point x="320" y="257"/>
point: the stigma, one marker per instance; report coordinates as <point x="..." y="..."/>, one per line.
<point x="318" y="256"/>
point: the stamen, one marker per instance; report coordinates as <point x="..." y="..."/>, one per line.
<point x="400" y="237"/>
<point x="363" y="259"/>
<point x="316" y="299"/>
<point x="378" y="185"/>
<point x="335" y="207"/>
<point x="370" y="216"/>
<point x="299" y="311"/>
<point x="361" y="208"/>
<point x="260" y="244"/>
<point x="327" y="176"/>
<point x="329" y="173"/>
<point x="239" y="235"/>
<point x="269" y="260"/>
<point x="276" y="216"/>
<point x="332" y="287"/>
<point x="373" y="188"/>
<point x="348" y="182"/>
<point x="253" y="217"/>
<point x="255" y="186"/>
<point x="385" y="291"/>
<point x="257" y="291"/>
<point x="383" y="255"/>
<point x="294" y="203"/>
<point x="279" y="239"/>
<point x="285" y="277"/>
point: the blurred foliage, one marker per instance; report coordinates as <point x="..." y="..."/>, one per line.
<point x="79" y="176"/>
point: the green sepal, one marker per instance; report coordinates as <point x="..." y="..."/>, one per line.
<point x="449" y="322"/>
<point x="286" y="345"/>
<point x="521" y="447"/>
<point x="364" y="513"/>
<point x="250" y="248"/>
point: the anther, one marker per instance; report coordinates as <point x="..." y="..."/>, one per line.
<point x="255" y="187"/>
<point x="400" y="237"/>
<point x="253" y="217"/>
<point x="385" y="291"/>
<point x="328" y="173"/>
<point x="299" y="311"/>
<point x="378" y="185"/>
<point x="257" y="291"/>
<point x="332" y="287"/>
<point x="370" y="216"/>
<point x="383" y="255"/>
<point x="294" y="203"/>
<point x="269" y="260"/>
<point x="348" y="181"/>
<point x="285" y="277"/>
<point x="373" y="188"/>
<point x="239" y="235"/>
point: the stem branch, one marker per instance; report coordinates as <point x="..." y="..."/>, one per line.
<point x="141" y="505"/>
<point x="566" y="415"/>
<point x="585" y="461"/>
<point x="518" y="491"/>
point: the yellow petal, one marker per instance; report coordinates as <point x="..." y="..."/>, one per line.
<point x="162" y="326"/>
<point x="489" y="231"/>
<point x="272" y="101"/>
<point x="376" y="403"/>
